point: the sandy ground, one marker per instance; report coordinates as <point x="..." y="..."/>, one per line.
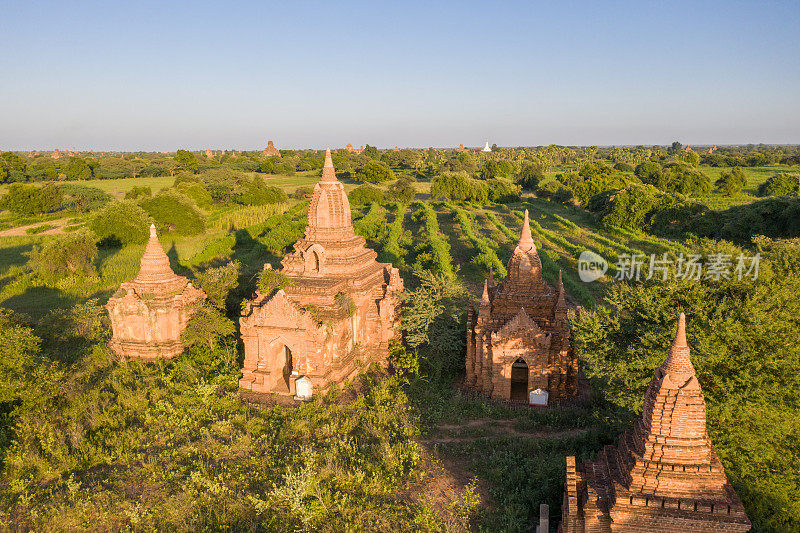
<point x="57" y="229"/>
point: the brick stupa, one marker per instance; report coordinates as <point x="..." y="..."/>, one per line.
<point x="150" y="312"/>
<point x="340" y="311"/>
<point x="663" y="475"/>
<point x="519" y="340"/>
<point x="271" y="151"/>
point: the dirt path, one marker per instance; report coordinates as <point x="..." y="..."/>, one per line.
<point x="57" y="229"/>
<point x="498" y="428"/>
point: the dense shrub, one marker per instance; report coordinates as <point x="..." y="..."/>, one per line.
<point x="460" y="187"/>
<point x="186" y="161"/>
<point x="257" y="192"/>
<point x="83" y="199"/>
<point x="685" y="179"/>
<point x="365" y="194"/>
<point x="633" y="207"/>
<point x="592" y="179"/>
<point x="174" y="211"/>
<point x="498" y="169"/>
<point x="402" y="190"/>
<point x="121" y="223"/>
<point x="31" y="200"/>
<point x="198" y="193"/>
<point x="78" y="169"/>
<point x="138" y="191"/>
<point x="303" y="193"/>
<point x="218" y="282"/>
<point x="556" y="191"/>
<point x="623" y="167"/>
<point x="780" y="184"/>
<point x="502" y="190"/>
<point x="375" y="172"/>
<point x="72" y="253"/>
<point x="649" y="172"/>
<point x="529" y="176"/>
<point x="731" y="183"/>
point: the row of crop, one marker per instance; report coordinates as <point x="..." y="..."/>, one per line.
<point x="440" y="248"/>
<point x="391" y="250"/>
<point x="369" y="226"/>
<point x="487" y="255"/>
<point x="510" y="235"/>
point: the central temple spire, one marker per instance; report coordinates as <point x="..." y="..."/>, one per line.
<point x="679" y="360"/>
<point x="328" y="173"/>
<point x="526" y="240"/>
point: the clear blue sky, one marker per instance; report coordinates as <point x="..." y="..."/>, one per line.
<point x="165" y="75"/>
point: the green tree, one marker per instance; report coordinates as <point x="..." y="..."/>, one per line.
<point x="402" y="190"/>
<point x="780" y="184"/>
<point x="371" y="152"/>
<point x="529" y="176"/>
<point x="78" y="169"/>
<point x="186" y="161"/>
<point x="207" y="327"/>
<point x="375" y="172"/>
<point x="731" y="183"/>
<point x="174" y="211"/>
<point x="365" y="194"/>
<point x="218" y="282"/>
<point x="121" y="223"/>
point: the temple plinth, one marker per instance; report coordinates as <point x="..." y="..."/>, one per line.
<point x="663" y="475"/>
<point x="339" y="313"/>
<point x="150" y="312"/>
<point x="519" y="339"/>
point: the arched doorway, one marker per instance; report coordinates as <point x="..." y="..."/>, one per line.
<point x="519" y="381"/>
<point x="287" y="366"/>
<point x="316" y="261"/>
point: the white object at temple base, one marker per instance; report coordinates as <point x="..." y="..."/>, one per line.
<point x="538" y="397"/>
<point x="304" y="388"/>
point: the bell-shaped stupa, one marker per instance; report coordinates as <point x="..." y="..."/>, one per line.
<point x="150" y="312"/>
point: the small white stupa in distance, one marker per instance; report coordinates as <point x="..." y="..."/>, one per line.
<point x="486" y="148"/>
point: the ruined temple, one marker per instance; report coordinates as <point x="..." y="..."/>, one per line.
<point x="519" y="339"/>
<point x="663" y="475"/>
<point x="270" y="150"/>
<point x="339" y="312"/>
<point x="150" y="312"/>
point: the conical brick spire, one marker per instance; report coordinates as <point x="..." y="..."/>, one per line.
<point x="679" y="361"/>
<point x="491" y="276"/>
<point x="485" y="297"/>
<point x="155" y="274"/>
<point x="328" y="172"/>
<point x="526" y="240"/>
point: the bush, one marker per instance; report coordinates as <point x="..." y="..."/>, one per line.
<point x="31" y="200"/>
<point x="198" y="193"/>
<point x="365" y="194"/>
<point x="83" y="199"/>
<point x="459" y="187"/>
<point x="186" y="161"/>
<point x="402" y="190"/>
<point x="502" y="190"/>
<point x="207" y="327"/>
<point x="498" y="169"/>
<point x="731" y="183"/>
<point x="375" y="172"/>
<point x="218" y="282"/>
<point x="257" y="192"/>
<point x="780" y="184"/>
<point x="530" y="176"/>
<point x="271" y="281"/>
<point x="174" y="212"/>
<point x="303" y="193"/>
<point x="72" y="253"/>
<point x="138" y="192"/>
<point x="78" y="169"/>
<point x="121" y="223"/>
<point x="623" y="167"/>
<point x="633" y="207"/>
<point x="649" y="172"/>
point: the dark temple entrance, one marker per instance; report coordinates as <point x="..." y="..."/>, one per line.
<point x="519" y="381"/>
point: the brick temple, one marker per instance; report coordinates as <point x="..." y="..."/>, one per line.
<point x="339" y="313"/>
<point x="519" y="340"/>
<point x="150" y="312"/>
<point x="663" y="475"/>
<point x="271" y="151"/>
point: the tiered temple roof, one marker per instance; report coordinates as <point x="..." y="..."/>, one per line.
<point x="663" y="474"/>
